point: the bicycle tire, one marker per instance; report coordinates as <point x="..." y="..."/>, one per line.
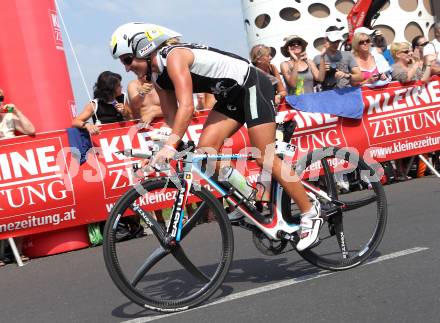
<point x="207" y="279"/>
<point x="355" y="245"/>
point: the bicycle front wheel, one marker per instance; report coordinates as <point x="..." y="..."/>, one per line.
<point x="162" y="277"/>
<point x="354" y="228"/>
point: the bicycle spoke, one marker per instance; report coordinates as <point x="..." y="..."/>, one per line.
<point x="153" y="259"/>
<point x="340" y="237"/>
<point x="181" y="257"/>
<point x="329" y="179"/>
<point x="201" y="210"/>
<point x="151" y="222"/>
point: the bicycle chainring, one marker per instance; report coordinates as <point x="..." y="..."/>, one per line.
<point x="266" y="245"/>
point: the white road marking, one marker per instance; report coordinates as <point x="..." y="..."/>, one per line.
<point x="285" y="283"/>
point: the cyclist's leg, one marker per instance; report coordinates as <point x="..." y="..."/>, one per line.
<point x="216" y="129"/>
<point x="260" y="117"/>
<point x="263" y="137"/>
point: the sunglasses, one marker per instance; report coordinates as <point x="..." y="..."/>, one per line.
<point x="423" y="44"/>
<point x="363" y="42"/>
<point x="127" y="60"/>
<point x="405" y="51"/>
<point x="294" y="44"/>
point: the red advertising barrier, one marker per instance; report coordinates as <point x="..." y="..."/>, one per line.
<point x="42" y="188"/>
<point x="398" y="121"/>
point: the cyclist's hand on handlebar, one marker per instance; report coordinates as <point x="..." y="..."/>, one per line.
<point x="163" y="156"/>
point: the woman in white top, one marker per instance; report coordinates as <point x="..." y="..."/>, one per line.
<point x="12" y="120"/>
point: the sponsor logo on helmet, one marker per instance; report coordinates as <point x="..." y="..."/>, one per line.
<point x="153" y="33"/>
<point x="146" y="50"/>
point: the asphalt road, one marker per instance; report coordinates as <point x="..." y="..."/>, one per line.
<point x="401" y="284"/>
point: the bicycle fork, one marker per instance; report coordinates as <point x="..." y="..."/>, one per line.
<point x="177" y="214"/>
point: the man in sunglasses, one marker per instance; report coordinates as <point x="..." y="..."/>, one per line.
<point x="244" y="94"/>
<point x="12" y="120"/>
<point x="341" y="67"/>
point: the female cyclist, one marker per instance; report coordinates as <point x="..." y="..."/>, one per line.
<point x="244" y="94"/>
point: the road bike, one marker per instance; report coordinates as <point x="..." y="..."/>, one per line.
<point x="179" y="265"/>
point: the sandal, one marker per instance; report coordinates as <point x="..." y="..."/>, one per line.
<point x="24" y="258"/>
<point x="2" y="263"/>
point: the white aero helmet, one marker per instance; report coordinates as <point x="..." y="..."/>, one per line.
<point x="139" y="39"/>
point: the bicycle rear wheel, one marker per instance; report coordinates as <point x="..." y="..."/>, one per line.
<point x="354" y="230"/>
<point x="169" y="278"/>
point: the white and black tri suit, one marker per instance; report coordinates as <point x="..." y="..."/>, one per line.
<point x="243" y="92"/>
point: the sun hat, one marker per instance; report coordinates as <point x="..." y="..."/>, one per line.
<point x="290" y="39"/>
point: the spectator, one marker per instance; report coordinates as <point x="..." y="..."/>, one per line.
<point x="374" y="68"/>
<point x="299" y="72"/>
<point x="406" y="68"/>
<point x="418" y="43"/>
<point x="12" y="120"/>
<point x="261" y="57"/>
<point x="381" y="47"/>
<point x="108" y="105"/>
<point x="144" y="101"/>
<point x="433" y="48"/>
<point x="204" y="101"/>
<point x="341" y="67"/>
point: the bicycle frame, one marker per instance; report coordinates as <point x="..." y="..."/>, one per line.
<point x="270" y="227"/>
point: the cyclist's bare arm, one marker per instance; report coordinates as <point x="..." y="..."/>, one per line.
<point x="178" y="63"/>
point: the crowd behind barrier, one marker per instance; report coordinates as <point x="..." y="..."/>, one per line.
<point x="63" y="179"/>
